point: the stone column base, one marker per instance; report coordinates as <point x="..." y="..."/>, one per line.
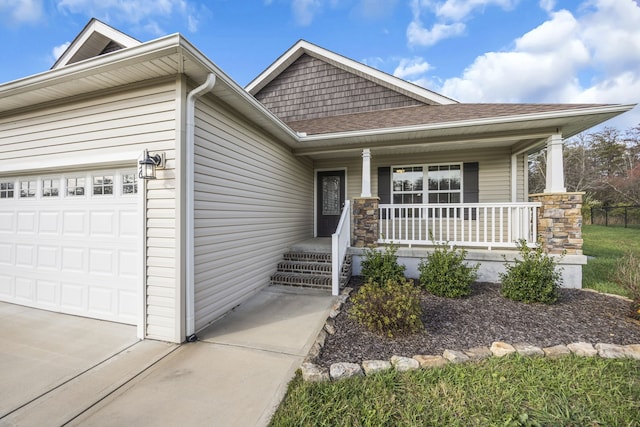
<point x="560" y="222"/>
<point x="365" y="221"/>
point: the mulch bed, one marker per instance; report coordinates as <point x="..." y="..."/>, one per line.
<point x="485" y="317"/>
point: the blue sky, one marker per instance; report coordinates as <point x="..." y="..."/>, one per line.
<point x="574" y="51"/>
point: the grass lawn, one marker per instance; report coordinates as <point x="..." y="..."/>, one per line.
<point x="606" y="245"/>
<point x="510" y="391"/>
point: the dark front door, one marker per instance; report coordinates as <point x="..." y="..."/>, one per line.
<point x="330" y="201"/>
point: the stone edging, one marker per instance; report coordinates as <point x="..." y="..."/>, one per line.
<point x="313" y="372"/>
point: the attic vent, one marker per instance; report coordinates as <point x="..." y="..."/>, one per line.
<point x="111" y="47"/>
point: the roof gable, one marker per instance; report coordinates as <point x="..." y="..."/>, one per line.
<point x="97" y="38"/>
<point x="380" y="78"/>
<point x="312" y="88"/>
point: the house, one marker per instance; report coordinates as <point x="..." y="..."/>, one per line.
<point x="317" y="145"/>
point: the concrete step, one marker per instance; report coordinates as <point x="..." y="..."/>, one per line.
<point x="305" y="267"/>
<point x="302" y="280"/>
<point x="308" y="256"/>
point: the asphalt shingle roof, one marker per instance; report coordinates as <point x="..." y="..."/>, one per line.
<point x="423" y="115"/>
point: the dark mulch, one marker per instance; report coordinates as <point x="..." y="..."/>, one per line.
<point x="485" y="317"/>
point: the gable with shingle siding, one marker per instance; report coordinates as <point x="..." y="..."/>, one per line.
<point x="311" y="88"/>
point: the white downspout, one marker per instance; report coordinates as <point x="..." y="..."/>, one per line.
<point x="190" y="214"/>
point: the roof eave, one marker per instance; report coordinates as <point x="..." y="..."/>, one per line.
<point x="549" y="120"/>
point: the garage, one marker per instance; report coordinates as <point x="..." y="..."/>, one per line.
<point x="70" y="243"/>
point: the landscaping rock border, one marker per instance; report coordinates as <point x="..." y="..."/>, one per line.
<point x="312" y="372"/>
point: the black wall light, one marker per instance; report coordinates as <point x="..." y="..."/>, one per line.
<point x="149" y="164"/>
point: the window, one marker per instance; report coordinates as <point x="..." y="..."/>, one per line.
<point x="444" y="184"/>
<point x="407" y="185"/>
<point x="75" y="186"/>
<point x="103" y="184"/>
<point x="129" y="183"/>
<point x="6" y="190"/>
<point x="28" y="189"/>
<point x="50" y="187"/>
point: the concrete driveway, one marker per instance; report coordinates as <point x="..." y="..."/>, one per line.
<point x="66" y="370"/>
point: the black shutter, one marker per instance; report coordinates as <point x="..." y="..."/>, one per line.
<point x="384" y="187"/>
<point x="470" y="183"/>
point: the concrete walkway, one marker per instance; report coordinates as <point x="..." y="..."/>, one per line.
<point x="235" y="375"/>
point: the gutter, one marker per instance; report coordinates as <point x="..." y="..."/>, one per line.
<point x="190" y="314"/>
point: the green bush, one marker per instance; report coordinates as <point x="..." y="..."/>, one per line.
<point x="534" y="278"/>
<point x="445" y="274"/>
<point x="392" y="309"/>
<point x="382" y="266"/>
<point x="627" y="275"/>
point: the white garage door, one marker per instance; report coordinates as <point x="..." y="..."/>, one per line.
<point x="69" y="243"/>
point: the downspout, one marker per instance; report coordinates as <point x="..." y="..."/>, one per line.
<point x="190" y="214"/>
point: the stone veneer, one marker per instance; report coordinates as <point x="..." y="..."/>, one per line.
<point x="365" y="221"/>
<point x="560" y="222"/>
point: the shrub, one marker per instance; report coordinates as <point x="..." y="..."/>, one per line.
<point x="534" y="278"/>
<point x="392" y="309"/>
<point x="627" y="275"/>
<point x="445" y="274"/>
<point x="382" y="266"/>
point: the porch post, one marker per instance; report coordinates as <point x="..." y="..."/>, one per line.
<point x="555" y="165"/>
<point x="560" y="222"/>
<point x="366" y="173"/>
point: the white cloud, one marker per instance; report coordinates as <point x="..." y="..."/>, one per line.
<point x="592" y="56"/>
<point x="21" y="11"/>
<point x="145" y="13"/>
<point x="305" y="10"/>
<point x="458" y="10"/>
<point x="59" y="50"/>
<point x="420" y="36"/>
<point x="412" y="67"/>
<point x="449" y="17"/>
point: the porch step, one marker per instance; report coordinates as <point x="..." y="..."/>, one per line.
<point x="309" y="270"/>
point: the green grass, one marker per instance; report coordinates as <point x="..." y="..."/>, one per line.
<point x="606" y="245"/>
<point x="510" y="391"/>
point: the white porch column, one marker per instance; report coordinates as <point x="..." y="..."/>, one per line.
<point x="366" y="173"/>
<point x="555" y="165"/>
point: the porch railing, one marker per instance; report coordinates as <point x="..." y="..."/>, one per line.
<point x="340" y="241"/>
<point x="490" y="225"/>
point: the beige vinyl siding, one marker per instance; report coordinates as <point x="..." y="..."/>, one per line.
<point x="101" y="126"/>
<point x="253" y="199"/>
<point x="494" y="170"/>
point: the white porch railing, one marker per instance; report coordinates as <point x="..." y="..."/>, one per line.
<point x="490" y="225"/>
<point x="340" y="241"/>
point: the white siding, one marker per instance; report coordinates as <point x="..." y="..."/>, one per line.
<point x="253" y="199"/>
<point x="111" y="127"/>
<point x="494" y="170"/>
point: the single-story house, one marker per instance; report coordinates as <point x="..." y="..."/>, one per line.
<point x="140" y="184"/>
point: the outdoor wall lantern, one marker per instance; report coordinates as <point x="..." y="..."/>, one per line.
<point x="149" y="164"/>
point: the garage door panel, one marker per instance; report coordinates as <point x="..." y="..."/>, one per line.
<point x="48" y="257"/>
<point x="6" y="222"/>
<point x="6" y="286"/>
<point x="73" y="223"/>
<point x="47" y="293"/>
<point x="48" y="223"/>
<point x="27" y="222"/>
<point x="25" y="256"/>
<point x="6" y="254"/>
<point x="72" y="254"/>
